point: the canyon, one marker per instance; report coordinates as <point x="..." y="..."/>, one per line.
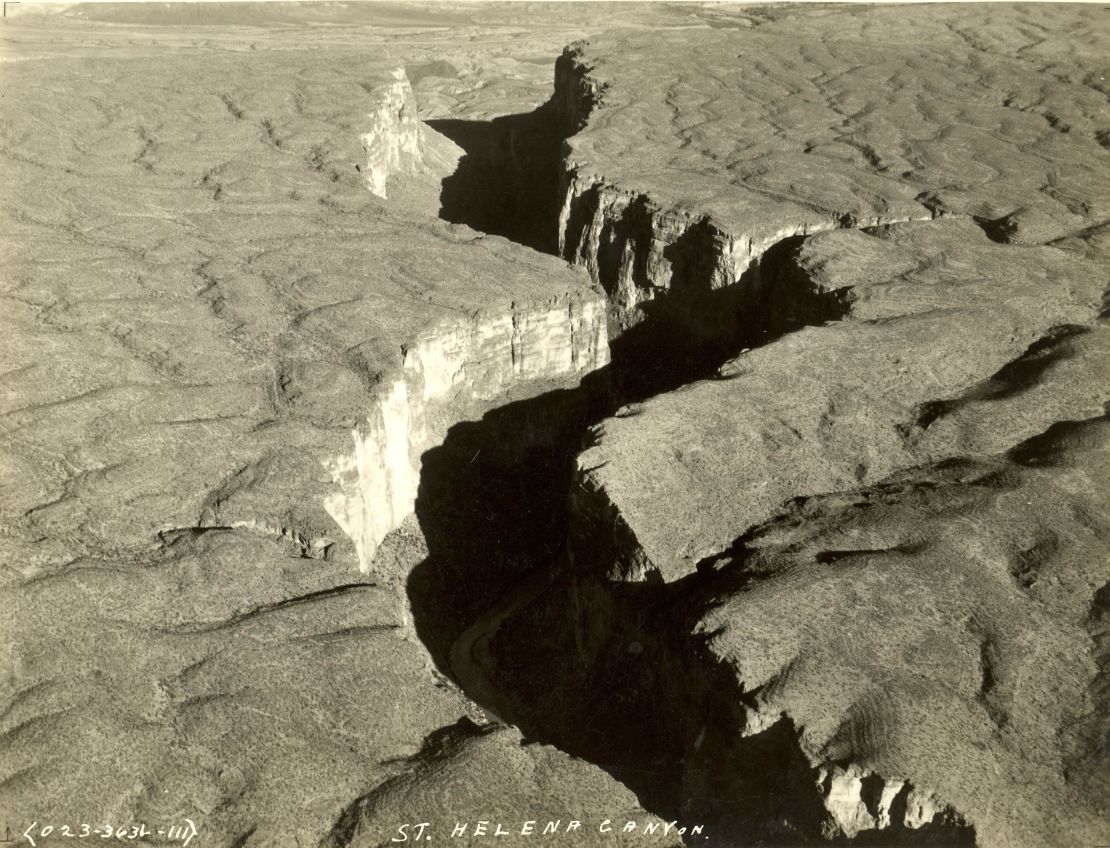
<point x="715" y="441"/>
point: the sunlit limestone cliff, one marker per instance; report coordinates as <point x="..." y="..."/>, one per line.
<point x="203" y="301"/>
<point x="454" y="368"/>
<point x="394" y="142"/>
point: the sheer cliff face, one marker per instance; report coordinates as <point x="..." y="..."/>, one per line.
<point x="206" y="301"/>
<point x="972" y="523"/>
<point x="689" y="194"/>
<point x="394" y="142"/>
<point x="841" y="574"/>
<point x="963" y="553"/>
<point x="447" y="374"/>
<point x="638" y="250"/>
<point x="932" y="310"/>
<point x="677" y="182"/>
<point x="451" y="371"/>
<point x="911" y="290"/>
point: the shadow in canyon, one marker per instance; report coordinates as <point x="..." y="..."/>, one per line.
<point x="507" y="182"/>
<point x="587" y="666"/>
<point x="608" y="672"/>
<point x="492" y="505"/>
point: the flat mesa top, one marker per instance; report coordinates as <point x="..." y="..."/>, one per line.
<point x="197" y="274"/>
<point x="226" y="193"/>
<point x="881" y="114"/>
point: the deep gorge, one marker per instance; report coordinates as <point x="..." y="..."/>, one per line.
<point x="605" y="670"/>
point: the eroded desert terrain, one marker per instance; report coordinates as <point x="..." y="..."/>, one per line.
<point x="685" y="421"/>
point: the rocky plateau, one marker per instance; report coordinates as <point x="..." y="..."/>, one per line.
<point x="634" y="424"/>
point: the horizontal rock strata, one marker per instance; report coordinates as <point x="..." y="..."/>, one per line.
<point x="933" y="309"/>
<point x="676" y="181"/>
<point x="203" y="302"/>
<point x="854" y="581"/>
<point x="444" y="373"/>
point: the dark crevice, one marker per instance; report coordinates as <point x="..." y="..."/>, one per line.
<point x="608" y="672"/>
<point x="1056" y="446"/>
<point x="510" y="183"/>
<point x="507" y="182"/>
<point x="690" y="329"/>
<point x="492" y="501"/>
<point x="244" y="838"/>
<point x="492" y="505"/>
<point x="999" y="230"/>
<point x="440" y="743"/>
<point x="605" y="672"/>
<point x="637" y="696"/>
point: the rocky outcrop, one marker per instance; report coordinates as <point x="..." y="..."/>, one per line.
<point x="894" y="304"/>
<point x="639" y="251"/>
<point x="879" y="663"/>
<point x="933" y="629"/>
<point x="947" y="379"/>
<point x="393" y="144"/>
<point x="850" y="587"/>
<point x="205" y="302"/>
<point x="477" y="785"/>
<point x="446" y="374"/>
<point x="675" y="183"/>
<point x="858" y="801"/>
<point x="918" y="328"/>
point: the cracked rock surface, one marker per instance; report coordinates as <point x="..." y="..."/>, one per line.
<point x="809" y="116"/>
<point x="681" y="174"/>
<point x="938" y="628"/>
